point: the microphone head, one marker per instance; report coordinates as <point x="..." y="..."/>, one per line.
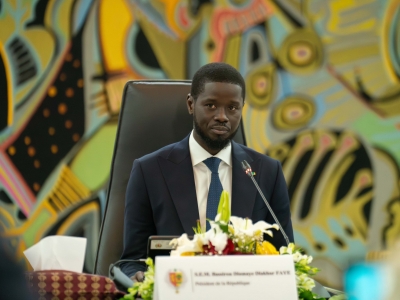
<point x="247" y="168"/>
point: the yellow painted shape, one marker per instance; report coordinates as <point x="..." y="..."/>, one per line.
<point x="46" y="208"/>
<point x="338" y="8"/>
<point x="262" y="129"/>
<point x="22" y="92"/>
<point x="71" y="180"/>
<point x="392" y="232"/>
<point x="389" y="12"/>
<point x="232" y="50"/>
<point x="115" y="20"/>
<point x="324" y="207"/>
<point x="374" y="87"/>
<point x="8" y="26"/>
<point x="60" y="13"/>
<point x="32" y="230"/>
<point x="43" y="43"/>
<point x="170" y="53"/>
<point x="319" y="88"/>
<point x="92" y="164"/>
<point x="390" y="108"/>
<point x="72" y="218"/>
<point x="353" y="54"/>
<point x="66" y="194"/>
<point x="335" y="115"/>
<point x="10" y="113"/>
<point x="304" y="143"/>
<point x="68" y="189"/>
<point x="256" y="133"/>
<point x="6" y="215"/>
<point x="338" y="95"/>
<point x="256" y="144"/>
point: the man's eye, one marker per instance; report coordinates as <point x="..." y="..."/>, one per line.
<point x="233" y="107"/>
<point x="210" y="105"/>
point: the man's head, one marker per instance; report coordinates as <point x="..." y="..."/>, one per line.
<point x="216" y="72"/>
<point x="216" y="101"/>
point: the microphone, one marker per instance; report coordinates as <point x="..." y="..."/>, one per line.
<point x="121" y="280"/>
<point x="247" y="169"/>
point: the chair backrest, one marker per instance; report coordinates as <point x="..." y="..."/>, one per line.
<point x="153" y="114"/>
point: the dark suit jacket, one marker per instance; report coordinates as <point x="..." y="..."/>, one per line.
<point x="13" y="284"/>
<point x="161" y="196"/>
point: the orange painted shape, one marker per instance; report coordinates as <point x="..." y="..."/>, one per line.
<point x="228" y="22"/>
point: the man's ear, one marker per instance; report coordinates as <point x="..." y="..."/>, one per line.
<point x="190" y="104"/>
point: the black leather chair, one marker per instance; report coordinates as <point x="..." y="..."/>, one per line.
<point x="153" y="114"/>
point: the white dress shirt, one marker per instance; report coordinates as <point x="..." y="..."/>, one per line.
<point x="202" y="174"/>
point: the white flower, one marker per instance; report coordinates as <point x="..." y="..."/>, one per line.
<point x="297" y="257"/>
<point x="303" y="260"/>
<point x="184" y="245"/>
<point x="217" y="237"/>
<point x="214" y="228"/>
<point x="201" y="239"/>
<point x="287" y="250"/>
<point x="303" y="281"/>
<point x="219" y="240"/>
<point x="246" y="227"/>
<point x="309" y="259"/>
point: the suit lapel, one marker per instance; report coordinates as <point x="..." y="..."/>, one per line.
<point x="243" y="190"/>
<point x="178" y="173"/>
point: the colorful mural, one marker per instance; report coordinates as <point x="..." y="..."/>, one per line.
<point x="323" y="98"/>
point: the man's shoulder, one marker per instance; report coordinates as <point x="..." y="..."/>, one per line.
<point x="162" y="152"/>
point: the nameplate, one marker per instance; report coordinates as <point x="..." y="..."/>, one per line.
<point x="161" y="245"/>
<point x="225" y="277"/>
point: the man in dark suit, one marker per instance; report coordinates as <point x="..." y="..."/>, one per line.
<point x="13" y="284"/>
<point x="170" y="189"/>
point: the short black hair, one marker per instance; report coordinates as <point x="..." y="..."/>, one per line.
<point x="216" y="72"/>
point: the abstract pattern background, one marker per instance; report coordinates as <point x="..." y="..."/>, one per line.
<point x="323" y="98"/>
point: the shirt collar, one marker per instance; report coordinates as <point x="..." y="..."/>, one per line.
<point x="198" y="153"/>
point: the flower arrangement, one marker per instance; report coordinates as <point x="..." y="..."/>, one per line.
<point x="230" y="235"/>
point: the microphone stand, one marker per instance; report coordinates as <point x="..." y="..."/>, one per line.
<point x="247" y="169"/>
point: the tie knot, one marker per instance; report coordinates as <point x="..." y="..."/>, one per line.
<point x="212" y="163"/>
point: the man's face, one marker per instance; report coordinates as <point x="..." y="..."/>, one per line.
<point x="216" y="114"/>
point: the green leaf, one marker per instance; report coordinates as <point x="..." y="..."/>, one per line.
<point x="306" y="295"/>
<point x="224" y="228"/>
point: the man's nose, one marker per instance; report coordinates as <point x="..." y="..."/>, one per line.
<point x="220" y="115"/>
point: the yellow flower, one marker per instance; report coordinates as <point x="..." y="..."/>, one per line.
<point x="266" y="248"/>
<point x="187" y="254"/>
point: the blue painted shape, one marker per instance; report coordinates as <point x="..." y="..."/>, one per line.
<point x="82" y="11"/>
<point x="365" y="282"/>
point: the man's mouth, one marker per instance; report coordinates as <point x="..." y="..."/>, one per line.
<point x="219" y="129"/>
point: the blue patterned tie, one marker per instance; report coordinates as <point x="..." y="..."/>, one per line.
<point x="214" y="193"/>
